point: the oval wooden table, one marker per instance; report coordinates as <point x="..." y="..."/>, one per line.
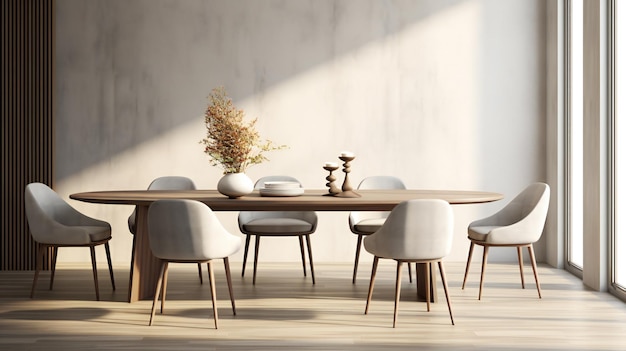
<point x="144" y="273"/>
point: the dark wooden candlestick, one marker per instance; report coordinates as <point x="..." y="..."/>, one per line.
<point x="346" y="188"/>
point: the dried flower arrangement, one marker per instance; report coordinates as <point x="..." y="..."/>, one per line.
<point x="232" y="144"/>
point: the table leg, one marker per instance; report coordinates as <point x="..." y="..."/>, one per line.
<point x="421" y="283"/>
<point x="144" y="273"/>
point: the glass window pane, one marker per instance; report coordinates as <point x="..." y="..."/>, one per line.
<point x="575" y="241"/>
<point x="620" y="144"/>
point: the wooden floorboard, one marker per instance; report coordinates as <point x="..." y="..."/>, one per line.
<point x="284" y="311"/>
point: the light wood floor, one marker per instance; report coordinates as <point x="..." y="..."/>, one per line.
<point x="284" y="311"/>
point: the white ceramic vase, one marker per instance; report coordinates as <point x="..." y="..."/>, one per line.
<point x="235" y="185"/>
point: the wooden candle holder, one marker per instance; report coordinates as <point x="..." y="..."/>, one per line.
<point x="346" y="188"/>
<point x="332" y="188"/>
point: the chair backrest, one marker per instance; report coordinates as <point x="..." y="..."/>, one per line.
<point x="188" y="230"/>
<point x="527" y="212"/>
<point x="374" y="182"/>
<point x="172" y="183"/>
<point x="162" y="183"/>
<point x="415" y="230"/>
<point x="48" y="215"/>
<point x="535" y="199"/>
<point x="247" y="216"/>
<point x="381" y="182"/>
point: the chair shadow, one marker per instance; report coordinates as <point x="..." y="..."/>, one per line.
<point x="252" y="313"/>
<point x="64" y="314"/>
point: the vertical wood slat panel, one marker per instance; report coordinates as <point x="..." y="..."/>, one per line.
<point x="27" y="120"/>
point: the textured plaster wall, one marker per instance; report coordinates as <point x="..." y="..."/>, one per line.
<point x="444" y="94"/>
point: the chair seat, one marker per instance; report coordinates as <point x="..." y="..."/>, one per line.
<point x="81" y="235"/>
<point x="480" y="232"/>
<point x="278" y="226"/>
<point x="369" y="226"/>
<point x="98" y="233"/>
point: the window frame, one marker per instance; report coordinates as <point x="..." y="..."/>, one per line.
<point x="613" y="287"/>
<point x="569" y="266"/>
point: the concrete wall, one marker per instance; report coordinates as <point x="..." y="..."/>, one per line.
<point x="444" y="94"/>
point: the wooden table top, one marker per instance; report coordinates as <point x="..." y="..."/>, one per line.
<point x="311" y="200"/>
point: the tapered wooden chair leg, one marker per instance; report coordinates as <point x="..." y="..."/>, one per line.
<point x="95" y="271"/>
<point x="230" y="285"/>
<point x="108" y="252"/>
<point x="482" y="271"/>
<point x="410" y="273"/>
<point x="359" y="240"/>
<point x="398" y="287"/>
<point x="302" y="254"/>
<point x="308" y="247"/>
<point x="245" y="255"/>
<point x="132" y="267"/>
<point x="208" y="274"/>
<point x="213" y="298"/>
<point x="371" y="288"/>
<point x="445" y="289"/>
<point x="200" y="273"/>
<point x="531" y="253"/>
<point x="467" y="265"/>
<point x="38" y="266"/>
<point x="55" y="251"/>
<point x="257" y="241"/>
<point x="157" y="291"/>
<point x="429" y="285"/>
<point x="164" y="285"/>
<point x="520" y="260"/>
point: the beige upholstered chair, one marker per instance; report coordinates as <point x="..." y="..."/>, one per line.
<point x="162" y="183"/>
<point x="54" y="223"/>
<point x="519" y="224"/>
<point x="364" y="223"/>
<point x="188" y="231"/>
<point x="417" y="231"/>
<point x="279" y="224"/>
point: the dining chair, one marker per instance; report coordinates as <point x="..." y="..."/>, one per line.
<point x="277" y="224"/>
<point x="363" y="223"/>
<point x="188" y="231"/>
<point x="418" y="231"/>
<point x="54" y="223"/>
<point x="162" y="183"/>
<point x="519" y="224"/>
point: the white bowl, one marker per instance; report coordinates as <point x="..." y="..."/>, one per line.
<point x="281" y="185"/>
<point x="281" y="192"/>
